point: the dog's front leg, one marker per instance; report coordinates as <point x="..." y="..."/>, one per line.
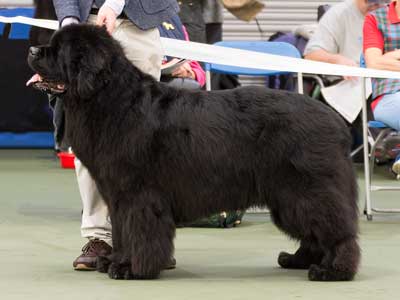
<point x="118" y="261"/>
<point x="145" y="230"/>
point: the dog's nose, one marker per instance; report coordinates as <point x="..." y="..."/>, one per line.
<point x="34" y="51"/>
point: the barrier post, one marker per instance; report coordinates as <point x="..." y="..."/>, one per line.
<point x="368" y="209"/>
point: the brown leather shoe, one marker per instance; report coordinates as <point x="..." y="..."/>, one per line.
<point x="88" y="259"/>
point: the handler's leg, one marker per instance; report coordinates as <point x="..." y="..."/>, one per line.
<point x="142" y="47"/>
<point x="95" y="224"/>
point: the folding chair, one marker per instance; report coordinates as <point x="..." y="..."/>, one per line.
<point x="277" y="48"/>
<point x="369" y="157"/>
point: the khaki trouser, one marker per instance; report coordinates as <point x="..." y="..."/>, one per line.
<point x="143" y="49"/>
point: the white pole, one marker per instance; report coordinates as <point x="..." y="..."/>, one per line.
<point x="300" y="83"/>
<point x="208" y="81"/>
<point x="367" y="174"/>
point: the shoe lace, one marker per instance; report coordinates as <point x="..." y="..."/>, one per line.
<point x="92" y="247"/>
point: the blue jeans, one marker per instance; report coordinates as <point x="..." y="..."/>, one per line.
<point x="388" y="110"/>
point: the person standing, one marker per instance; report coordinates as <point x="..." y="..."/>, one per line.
<point x="134" y="24"/>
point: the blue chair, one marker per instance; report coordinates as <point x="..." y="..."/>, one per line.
<point x="369" y="157"/>
<point x="277" y="48"/>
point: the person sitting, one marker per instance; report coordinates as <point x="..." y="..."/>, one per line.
<point x="381" y="43"/>
<point x="184" y="74"/>
<point x="338" y="40"/>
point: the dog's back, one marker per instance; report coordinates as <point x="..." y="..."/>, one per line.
<point x="249" y="139"/>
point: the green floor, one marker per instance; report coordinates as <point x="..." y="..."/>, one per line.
<point x="39" y="238"/>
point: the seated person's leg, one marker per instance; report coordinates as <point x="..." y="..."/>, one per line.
<point x="388" y="112"/>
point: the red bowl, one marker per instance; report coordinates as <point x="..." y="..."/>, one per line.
<point x="67" y="160"/>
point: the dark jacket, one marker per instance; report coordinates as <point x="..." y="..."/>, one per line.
<point x="144" y="14"/>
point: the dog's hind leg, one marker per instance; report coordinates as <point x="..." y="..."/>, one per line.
<point x="327" y="216"/>
<point x="340" y="263"/>
<point x="334" y="256"/>
<point x="336" y="229"/>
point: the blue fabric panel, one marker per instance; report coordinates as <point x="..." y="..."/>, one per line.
<point x="27" y="140"/>
<point x="18" y="31"/>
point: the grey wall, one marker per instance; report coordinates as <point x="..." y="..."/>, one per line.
<point x="276" y="16"/>
<point x="14" y="3"/>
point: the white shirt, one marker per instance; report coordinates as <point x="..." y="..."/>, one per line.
<point x="116" y="5"/>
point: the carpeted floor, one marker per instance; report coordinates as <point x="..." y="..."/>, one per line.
<point x="39" y="238"/>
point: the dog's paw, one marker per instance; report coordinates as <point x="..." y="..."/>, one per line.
<point x="319" y="273"/>
<point x="285" y="260"/>
<point x="124" y="271"/>
<point x="120" y="271"/>
<point x="103" y="263"/>
<point x="316" y="273"/>
<point x="293" y="261"/>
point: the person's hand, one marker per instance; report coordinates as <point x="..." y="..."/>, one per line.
<point x="395" y="54"/>
<point x="69" y="21"/>
<point x="342" y="60"/>
<point x="184" y="71"/>
<point x="107" y="16"/>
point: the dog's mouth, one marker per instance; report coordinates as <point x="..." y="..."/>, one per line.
<point x="46" y="85"/>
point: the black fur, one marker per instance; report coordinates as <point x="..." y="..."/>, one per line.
<point x="162" y="156"/>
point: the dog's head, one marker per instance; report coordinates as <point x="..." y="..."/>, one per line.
<point x="78" y="60"/>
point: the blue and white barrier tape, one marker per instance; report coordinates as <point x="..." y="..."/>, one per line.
<point x="237" y="57"/>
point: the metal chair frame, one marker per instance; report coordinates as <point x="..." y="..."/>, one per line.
<point x="369" y="160"/>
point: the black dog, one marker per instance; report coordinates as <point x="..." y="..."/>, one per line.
<point x="160" y="156"/>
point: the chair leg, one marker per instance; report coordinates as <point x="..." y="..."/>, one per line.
<point x="379" y="138"/>
<point x="208" y="81"/>
<point x="355" y="151"/>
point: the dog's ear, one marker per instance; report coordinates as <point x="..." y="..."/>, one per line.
<point x="93" y="73"/>
<point x="86" y="61"/>
<point x="86" y="83"/>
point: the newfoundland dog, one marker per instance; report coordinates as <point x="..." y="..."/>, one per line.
<point x="162" y="156"/>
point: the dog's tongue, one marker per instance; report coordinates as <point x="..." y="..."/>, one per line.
<point x="34" y="78"/>
<point x="45" y="86"/>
